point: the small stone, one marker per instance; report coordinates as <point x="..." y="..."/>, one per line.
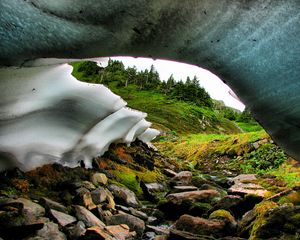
<point x="84" y="198"/>
<point x="88" y="185"/>
<point x="99" y="179"/>
<point x="87" y="217"/>
<point x="61" y="218"/>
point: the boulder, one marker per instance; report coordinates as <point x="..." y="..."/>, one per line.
<point x="76" y="231"/>
<point x="197" y="225"/>
<point x="84" y="198"/>
<point x="134" y="223"/>
<point x="124" y="195"/>
<point x="268" y="220"/>
<point x="61" y="218"/>
<point x="227" y="218"/>
<point x="50" y="231"/>
<point x="99" y="179"/>
<point x="193" y="202"/>
<point x="88" y="218"/>
<point x="99" y="195"/>
<point x="192" y="196"/>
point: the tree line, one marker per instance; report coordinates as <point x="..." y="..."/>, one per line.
<point x="115" y="71"/>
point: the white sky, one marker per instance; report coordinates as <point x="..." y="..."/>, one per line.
<point x="213" y="85"/>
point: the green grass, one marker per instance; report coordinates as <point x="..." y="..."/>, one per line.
<point x="168" y="114"/>
<point x="249" y="127"/>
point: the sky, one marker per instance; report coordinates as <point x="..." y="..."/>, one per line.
<point x="212" y="84"/>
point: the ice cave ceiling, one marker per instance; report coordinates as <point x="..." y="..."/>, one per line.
<point x="253" y="45"/>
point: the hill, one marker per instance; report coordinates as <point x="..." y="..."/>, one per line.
<point x="166" y="112"/>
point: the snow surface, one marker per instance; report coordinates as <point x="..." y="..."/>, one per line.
<point x="47" y="116"/>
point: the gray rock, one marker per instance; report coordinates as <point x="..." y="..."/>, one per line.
<point x="134" y="223"/>
<point x="99" y="195"/>
<point x="138" y="213"/>
<point x="123" y="194"/>
<point x="61" y="218"/>
<point x="50" y="204"/>
<point x="76" y="231"/>
<point x="88" y="218"/>
<point x="178" y="189"/>
<point x="99" y="179"/>
<point x="183" y="178"/>
<point x="50" y="231"/>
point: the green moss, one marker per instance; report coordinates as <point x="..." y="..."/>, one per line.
<point x="221" y="215"/>
<point x="295" y="219"/>
<point x="260" y="211"/>
<point x="129" y="180"/>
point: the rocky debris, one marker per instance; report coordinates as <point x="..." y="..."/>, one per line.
<point x="124" y="195"/>
<point x="88" y="185"/>
<point x="61" y="218"/>
<point x="182" y="178"/>
<point x="50" y="204"/>
<point x="88" y="218"/>
<point x="138" y="214"/>
<point x="50" y="231"/>
<point x="99" y="179"/>
<point x="133" y="222"/>
<point x="245" y="184"/>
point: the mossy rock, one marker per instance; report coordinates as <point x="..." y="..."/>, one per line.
<point x="222" y="215"/>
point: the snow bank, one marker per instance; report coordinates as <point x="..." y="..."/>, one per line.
<point x="47" y="116"/>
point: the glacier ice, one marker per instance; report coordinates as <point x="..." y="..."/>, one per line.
<point x="47" y="116"/>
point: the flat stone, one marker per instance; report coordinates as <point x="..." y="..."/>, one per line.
<point x="120" y="232"/>
<point x="178" y="198"/>
<point x="138" y="213"/>
<point x="88" y="218"/>
<point x="30" y="207"/>
<point x="97" y="233"/>
<point x="177" y="189"/>
<point x="245" y="184"/>
<point x="169" y="172"/>
<point x="50" y="204"/>
<point x="61" y="218"/>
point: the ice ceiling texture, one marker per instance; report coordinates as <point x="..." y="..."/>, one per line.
<point x="252" y="45"/>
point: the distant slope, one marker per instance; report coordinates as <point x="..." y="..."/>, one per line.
<point x="168" y="114"/>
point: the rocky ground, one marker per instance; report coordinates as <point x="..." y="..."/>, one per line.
<point x="135" y="193"/>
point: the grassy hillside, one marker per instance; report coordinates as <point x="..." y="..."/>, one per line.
<point x="167" y="114"/>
